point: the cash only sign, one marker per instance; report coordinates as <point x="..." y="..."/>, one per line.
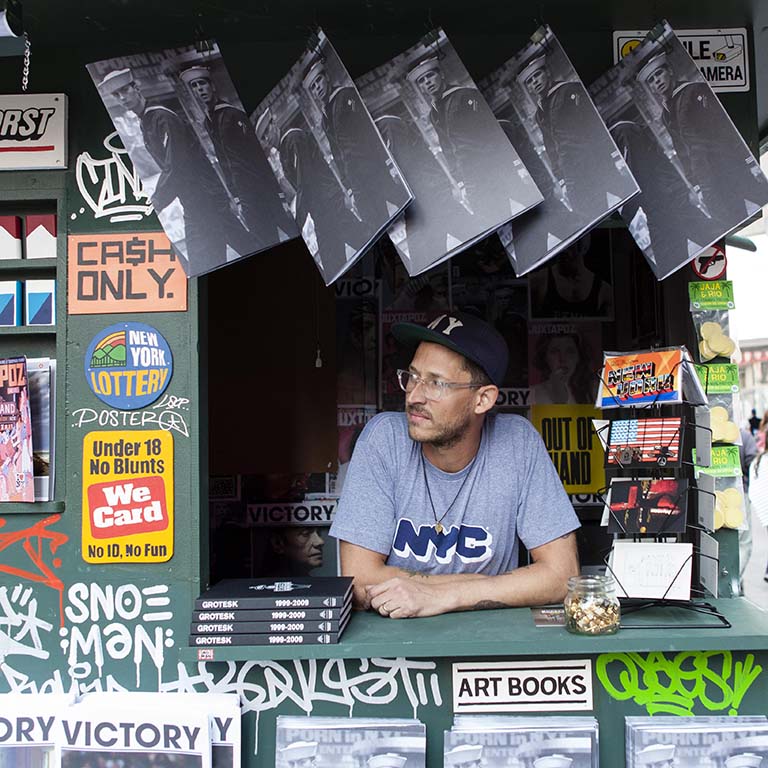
<point x="128" y="497"/>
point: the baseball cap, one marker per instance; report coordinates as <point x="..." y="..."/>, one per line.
<point x="465" y="334"/>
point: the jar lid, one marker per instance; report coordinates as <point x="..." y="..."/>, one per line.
<point x="591" y="582"/>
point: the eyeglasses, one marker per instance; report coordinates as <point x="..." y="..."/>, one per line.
<point x="434" y="389"/>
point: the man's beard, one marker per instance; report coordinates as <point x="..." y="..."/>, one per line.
<point x="448" y="436"/>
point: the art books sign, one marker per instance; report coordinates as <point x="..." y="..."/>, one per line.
<point x="720" y="54"/>
<point x="523" y="686"/>
<point x="33" y="131"/>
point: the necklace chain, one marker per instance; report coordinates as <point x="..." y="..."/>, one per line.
<point x="439" y="522"/>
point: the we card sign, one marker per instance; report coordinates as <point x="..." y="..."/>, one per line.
<point x="33" y="131"/>
<point x="128" y="497"/>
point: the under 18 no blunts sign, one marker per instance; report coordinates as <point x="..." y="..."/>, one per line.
<point x="721" y="54"/>
<point x="128" y="497"/>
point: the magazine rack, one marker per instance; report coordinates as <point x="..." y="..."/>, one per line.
<point x="659" y="450"/>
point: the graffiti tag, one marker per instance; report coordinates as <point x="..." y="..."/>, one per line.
<point x="105" y="621"/>
<point x="167" y="414"/>
<point x="111" y="186"/>
<point x="36" y="542"/>
<point x="712" y="679"/>
<point x="20" y="625"/>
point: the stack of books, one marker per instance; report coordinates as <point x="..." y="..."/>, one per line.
<point x="300" y="611"/>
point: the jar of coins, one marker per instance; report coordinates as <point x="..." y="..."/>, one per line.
<point x="591" y="606"/>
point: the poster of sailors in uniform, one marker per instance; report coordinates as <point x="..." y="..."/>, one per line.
<point x="550" y="119"/>
<point x="466" y="177"/>
<point x="344" y="186"/>
<point x="698" y="178"/>
<point x="185" y="130"/>
<point x="349" y="742"/>
<point x="694" y="742"/>
<point x="488" y="741"/>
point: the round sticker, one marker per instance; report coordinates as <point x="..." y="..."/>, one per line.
<point x="710" y="264"/>
<point x="128" y="365"/>
<point x="629" y="46"/>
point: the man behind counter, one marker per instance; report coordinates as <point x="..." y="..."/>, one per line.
<point x="436" y="499"/>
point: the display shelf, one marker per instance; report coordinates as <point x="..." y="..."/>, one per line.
<point x="28" y="330"/>
<point x="28" y="265"/>
<point x="512" y="632"/>
<point x="32" y="507"/>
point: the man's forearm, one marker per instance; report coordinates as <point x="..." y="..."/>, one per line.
<point x="383" y="573"/>
<point x="536" y="584"/>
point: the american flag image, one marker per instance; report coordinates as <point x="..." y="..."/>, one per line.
<point x="644" y="441"/>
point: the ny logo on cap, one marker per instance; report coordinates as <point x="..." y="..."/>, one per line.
<point x="452" y="324"/>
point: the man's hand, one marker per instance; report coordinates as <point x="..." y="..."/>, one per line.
<point x="401" y="598"/>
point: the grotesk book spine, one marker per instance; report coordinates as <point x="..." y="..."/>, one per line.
<point x="267" y="603"/>
<point x="280" y="614"/>
<point x="264" y="639"/>
<point x="263" y="627"/>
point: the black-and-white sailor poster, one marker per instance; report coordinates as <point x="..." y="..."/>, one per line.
<point x="191" y="142"/>
<point x="359" y="742"/>
<point x="343" y="185"/>
<point x="550" y="119"/>
<point x="466" y="177"/>
<point x="698" y="178"/>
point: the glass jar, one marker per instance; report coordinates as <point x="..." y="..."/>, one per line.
<point x="591" y="606"/>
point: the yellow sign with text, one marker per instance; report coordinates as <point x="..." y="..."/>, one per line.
<point x="128" y="497"/>
<point x="572" y="445"/>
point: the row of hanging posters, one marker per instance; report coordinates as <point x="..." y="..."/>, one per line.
<point x="417" y="151"/>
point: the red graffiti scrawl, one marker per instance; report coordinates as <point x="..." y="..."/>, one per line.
<point x="37" y="542"/>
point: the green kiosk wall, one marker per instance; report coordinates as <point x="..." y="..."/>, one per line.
<point x="69" y="623"/>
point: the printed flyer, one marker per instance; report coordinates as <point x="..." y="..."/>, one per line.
<point x="128" y="514"/>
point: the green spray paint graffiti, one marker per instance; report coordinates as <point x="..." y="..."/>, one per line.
<point x="675" y="685"/>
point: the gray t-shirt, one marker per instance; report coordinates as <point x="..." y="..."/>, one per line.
<point x="509" y="490"/>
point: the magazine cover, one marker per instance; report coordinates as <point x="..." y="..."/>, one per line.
<point x="647" y="505"/>
<point x="465" y="176"/>
<point x="504" y="741"/>
<point x="330" y="742"/>
<point x="180" y="119"/>
<point x="550" y="119"/>
<point x="135" y="737"/>
<point x="30" y="723"/>
<point x="563" y="362"/>
<point x="343" y="186"/>
<point x="578" y="284"/>
<point x="691" y="742"/>
<point x="575" y="450"/>
<point x="698" y="178"/>
<point x="223" y="710"/>
<point x="16" y="454"/>
<point x="295" y="550"/>
<point x="41" y="372"/>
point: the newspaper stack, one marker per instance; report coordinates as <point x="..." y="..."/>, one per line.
<point x="685" y="742"/>
<point x="380" y="742"/>
<point x="302" y="611"/>
<point x="501" y="741"/>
